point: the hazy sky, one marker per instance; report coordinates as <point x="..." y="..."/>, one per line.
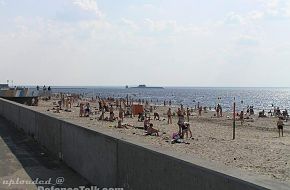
<point x="156" y="42"/>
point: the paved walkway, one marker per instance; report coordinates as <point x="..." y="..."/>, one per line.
<point x="22" y="159"/>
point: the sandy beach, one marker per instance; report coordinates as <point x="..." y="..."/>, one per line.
<point x="257" y="147"/>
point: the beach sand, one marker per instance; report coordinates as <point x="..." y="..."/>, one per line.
<point x="257" y="147"/>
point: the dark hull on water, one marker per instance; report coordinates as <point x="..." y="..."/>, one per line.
<point x="143" y="86"/>
<point x="148" y="87"/>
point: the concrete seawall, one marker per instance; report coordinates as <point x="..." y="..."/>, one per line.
<point x="109" y="161"/>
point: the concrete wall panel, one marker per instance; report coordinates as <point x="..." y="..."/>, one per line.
<point x="27" y="121"/>
<point x="154" y="170"/>
<point x="92" y="154"/>
<point x="48" y="132"/>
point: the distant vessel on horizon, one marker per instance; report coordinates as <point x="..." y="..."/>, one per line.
<point x="144" y="86"/>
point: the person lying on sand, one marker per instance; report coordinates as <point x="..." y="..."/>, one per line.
<point x="106" y="119"/>
<point x="57" y="110"/>
<point x="120" y="125"/>
<point x="177" y="138"/>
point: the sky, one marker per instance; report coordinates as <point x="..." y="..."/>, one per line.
<point x="226" y="43"/>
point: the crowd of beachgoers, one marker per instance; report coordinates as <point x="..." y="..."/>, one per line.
<point x="123" y="106"/>
<point x="197" y="131"/>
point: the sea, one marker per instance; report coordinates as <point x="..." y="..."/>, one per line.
<point x="260" y="98"/>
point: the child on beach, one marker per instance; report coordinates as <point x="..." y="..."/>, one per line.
<point x="156" y="116"/>
<point x="280" y="125"/>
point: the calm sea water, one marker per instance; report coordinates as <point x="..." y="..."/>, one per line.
<point x="260" y="98"/>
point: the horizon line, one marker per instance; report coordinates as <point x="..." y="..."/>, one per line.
<point x="166" y="86"/>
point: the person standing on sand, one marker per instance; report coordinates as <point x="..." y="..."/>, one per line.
<point x="218" y="110"/>
<point x="117" y="103"/>
<point x="66" y="104"/>
<point x="169" y="116"/>
<point x="102" y="116"/>
<point x="59" y="104"/>
<point x="180" y="115"/>
<point x="111" y="113"/>
<point x="81" y="109"/>
<point x="187" y="113"/>
<point x="182" y="109"/>
<point x="242" y="117"/>
<point x="121" y="114"/>
<point x="87" y="110"/>
<point x="280" y="125"/>
<point x="199" y="111"/>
